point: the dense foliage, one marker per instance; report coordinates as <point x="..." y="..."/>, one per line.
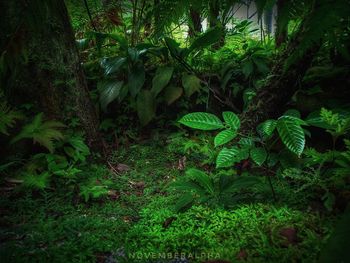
<point x="174" y="131"/>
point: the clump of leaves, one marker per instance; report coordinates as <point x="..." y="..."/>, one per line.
<point x="8" y="117"/>
<point x="41" y="132"/>
<point x="197" y="187"/>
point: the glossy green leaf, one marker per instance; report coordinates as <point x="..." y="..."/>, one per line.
<point x="136" y="79"/>
<point x="172" y="93"/>
<point x="224" y="137"/>
<point x="268" y="127"/>
<point x="201" y="178"/>
<point x="258" y="155"/>
<point x="211" y="36"/>
<point x="202" y="121"/>
<point x="191" y="84"/>
<point x="226" y="157"/>
<point x="161" y="79"/>
<point x="291" y="133"/>
<point x="109" y="91"/>
<point x="146" y="107"/>
<point x="112" y="65"/>
<point x="231" y="119"/>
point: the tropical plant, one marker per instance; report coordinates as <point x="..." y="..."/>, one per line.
<point x="94" y="188"/>
<point x="258" y="149"/>
<point x="131" y="65"/>
<point x="197" y="187"/>
<point x="8" y="116"/>
<point x="336" y="124"/>
<point x="41" y="132"/>
<point x="288" y="127"/>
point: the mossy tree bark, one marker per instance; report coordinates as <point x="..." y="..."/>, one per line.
<point x="52" y="78"/>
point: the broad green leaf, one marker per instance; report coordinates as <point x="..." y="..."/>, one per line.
<point x="202" y="178"/>
<point x="174" y="48"/>
<point x="246" y="143"/>
<point x="161" y="79"/>
<point x="136" y="79"/>
<point x="123" y="42"/>
<point x="268" y="127"/>
<point x="291" y="134"/>
<point x="242" y="154"/>
<point x="133" y="54"/>
<point x="112" y="65"/>
<point x="258" y="155"/>
<point x="224" y="137"/>
<point x="231" y="120"/>
<point x="202" y="121"/>
<point x="211" y="36"/>
<point x="186" y="200"/>
<point x="191" y="84"/>
<point x="146" y="107"/>
<point x="226" y="157"/>
<point x="123" y="92"/>
<point x="247" y="68"/>
<point x="109" y="91"/>
<point x="172" y="93"/>
<point x="292" y="112"/>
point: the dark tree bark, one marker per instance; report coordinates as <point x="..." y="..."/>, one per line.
<point x="52" y="79"/>
<point x="195" y="26"/>
<point x="281" y="30"/>
<point x="214" y="12"/>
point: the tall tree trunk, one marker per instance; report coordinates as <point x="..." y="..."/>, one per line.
<point x="53" y="79"/>
<point x="214" y="12"/>
<point x="281" y="30"/>
<point x="195" y="26"/>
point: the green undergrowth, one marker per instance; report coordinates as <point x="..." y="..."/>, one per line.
<point x="257" y="230"/>
<point x="137" y="223"/>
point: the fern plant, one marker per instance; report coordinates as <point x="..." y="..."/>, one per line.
<point x="197" y="187"/>
<point x="8" y="117"/>
<point x="321" y="171"/>
<point x="41" y="132"/>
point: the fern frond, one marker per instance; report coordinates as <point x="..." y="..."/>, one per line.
<point x="8" y="118"/>
<point x="44" y="133"/>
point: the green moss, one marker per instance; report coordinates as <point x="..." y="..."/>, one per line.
<point x="253" y="228"/>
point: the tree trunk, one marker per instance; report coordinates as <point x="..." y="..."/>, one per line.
<point x="53" y="79"/>
<point x="195" y="26"/>
<point x="214" y="12"/>
<point x="271" y="99"/>
<point x="281" y="30"/>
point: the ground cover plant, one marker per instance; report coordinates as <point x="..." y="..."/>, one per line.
<point x="174" y="131"/>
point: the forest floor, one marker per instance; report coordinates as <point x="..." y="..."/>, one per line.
<point x="136" y="223"/>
